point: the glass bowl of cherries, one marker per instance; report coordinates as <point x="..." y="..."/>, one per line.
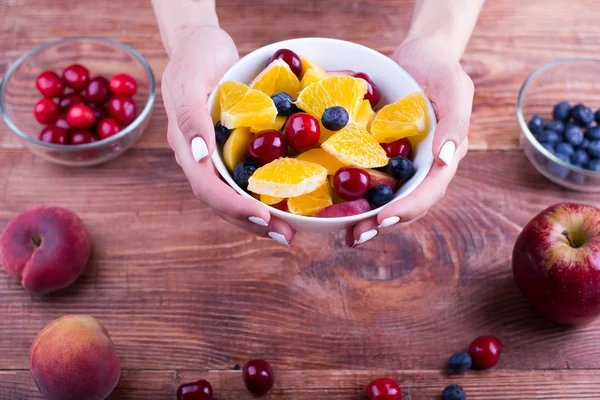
<point x="78" y="101"/>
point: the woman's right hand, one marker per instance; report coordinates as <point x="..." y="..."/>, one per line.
<point x="198" y="60"/>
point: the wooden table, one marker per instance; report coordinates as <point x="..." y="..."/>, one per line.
<point x="187" y="296"/>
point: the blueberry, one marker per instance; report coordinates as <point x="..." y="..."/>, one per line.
<point x="460" y="362"/>
<point x="548" y="146"/>
<point x="584" y="145"/>
<point x="573" y="134"/>
<point x="562" y="111"/>
<point x="243" y="171"/>
<point x="556" y="126"/>
<point x="564" y="148"/>
<point x="548" y="137"/>
<point x="597" y="117"/>
<point x="582" y="115"/>
<point x="594" y="165"/>
<point x="379" y="196"/>
<point x="536" y="124"/>
<point x="284" y="103"/>
<point x="454" y="392"/>
<point x="559" y="170"/>
<point x="579" y="157"/>
<point x="594" y="149"/>
<point x="593" y="133"/>
<point x="335" y="118"/>
<point x="401" y="168"/>
<point x="221" y="133"/>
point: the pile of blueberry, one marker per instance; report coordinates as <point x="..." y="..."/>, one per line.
<point x="572" y="135"/>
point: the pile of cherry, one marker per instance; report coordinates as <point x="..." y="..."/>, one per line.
<point x="77" y="109"/>
<point x="484" y="352"/>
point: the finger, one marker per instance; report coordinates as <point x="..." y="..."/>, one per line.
<point x="429" y="192"/>
<point x="278" y="230"/>
<point x="362" y="232"/>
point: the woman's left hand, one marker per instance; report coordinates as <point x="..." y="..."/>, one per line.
<point x="450" y="90"/>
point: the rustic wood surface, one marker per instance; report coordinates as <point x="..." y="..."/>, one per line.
<point x="185" y="296"/>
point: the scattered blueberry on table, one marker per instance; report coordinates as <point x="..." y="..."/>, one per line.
<point x="572" y="136"/>
<point x="454" y="392"/>
<point x="460" y="362"/>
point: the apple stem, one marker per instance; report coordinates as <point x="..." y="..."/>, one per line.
<point x="566" y="234"/>
<point x="37" y="241"/>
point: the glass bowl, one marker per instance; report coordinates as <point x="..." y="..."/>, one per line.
<point x="103" y="57"/>
<point x="572" y="80"/>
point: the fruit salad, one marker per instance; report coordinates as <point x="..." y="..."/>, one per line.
<point x="87" y="109"/>
<point x="317" y="143"/>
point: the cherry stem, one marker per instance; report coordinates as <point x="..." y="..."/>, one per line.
<point x="566" y="234"/>
<point x="37" y="241"/>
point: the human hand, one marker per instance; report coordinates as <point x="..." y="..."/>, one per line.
<point x="450" y="90"/>
<point x="198" y="60"/>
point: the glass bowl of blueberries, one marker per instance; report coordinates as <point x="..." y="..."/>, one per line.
<point x="559" y="113"/>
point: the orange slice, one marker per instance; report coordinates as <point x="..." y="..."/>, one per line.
<point x="309" y="78"/>
<point x="365" y="114"/>
<point x="323" y="158"/>
<point x="287" y="177"/>
<point x="236" y="147"/>
<point x="270" y="200"/>
<point x="404" y="118"/>
<point x="277" y="125"/>
<point x="311" y="72"/>
<point x="308" y="204"/>
<point x="353" y="145"/>
<point x="277" y="77"/>
<point x="242" y="106"/>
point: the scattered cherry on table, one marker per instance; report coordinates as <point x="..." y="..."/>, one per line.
<point x="401" y="147"/>
<point x="384" y="389"/>
<point x="76" y="76"/>
<point x="351" y="183"/>
<point x="267" y="146"/>
<point x="373" y="93"/>
<point x="123" y="84"/>
<point x="290" y="58"/>
<point x="46" y="111"/>
<point x="199" y="390"/>
<point x="54" y="134"/>
<point x="302" y="131"/>
<point x="81" y="116"/>
<point x="485" y="351"/>
<point x="123" y="109"/>
<point x="50" y="84"/>
<point x="258" y="377"/>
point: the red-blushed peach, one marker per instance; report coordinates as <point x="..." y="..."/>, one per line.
<point x="344" y="209"/>
<point x="73" y="358"/>
<point x="46" y="248"/>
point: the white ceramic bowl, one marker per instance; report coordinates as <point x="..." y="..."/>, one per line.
<point x="332" y="54"/>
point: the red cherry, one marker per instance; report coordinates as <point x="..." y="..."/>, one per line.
<point x="258" y="377"/>
<point x="123" y="109"/>
<point x="81" y="116"/>
<point x="267" y="146"/>
<point x="54" y="134"/>
<point x="401" y="147"/>
<point x="63" y="123"/>
<point x="49" y="84"/>
<point x="351" y="183"/>
<point x="107" y="128"/>
<point x="46" y="111"/>
<point x="100" y="113"/>
<point x="76" y="76"/>
<point x="290" y="58"/>
<point x="384" y="389"/>
<point x="82" y="137"/>
<point x="97" y="91"/>
<point x="199" y="390"/>
<point x="373" y="92"/>
<point x="123" y="84"/>
<point x="69" y="100"/>
<point x="282" y="205"/>
<point x="485" y="351"/>
<point x="302" y="132"/>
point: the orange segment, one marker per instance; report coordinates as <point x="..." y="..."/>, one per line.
<point x="310" y="77"/>
<point x="277" y="125"/>
<point x="365" y="114"/>
<point x="242" y="106"/>
<point x="353" y="145"/>
<point x="270" y="200"/>
<point x="308" y="204"/>
<point x="406" y="117"/>
<point x="277" y="77"/>
<point x="311" y="72"/>
<point x="236" y="147"/>
<point x="323" y="158"/>
<point x="287" y="177"/>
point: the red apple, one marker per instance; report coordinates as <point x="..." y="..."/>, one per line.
<point x="46" y="248"/>
<point x="556" y="262"/>
<point x="381" y="178"/>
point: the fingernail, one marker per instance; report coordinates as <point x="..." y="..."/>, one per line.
<point x="279" y="238"/>
<point x="365" y="237"/>
<point x="258" y="221"/>
<point x="199" y="149"/>
<point x="447" y="152"/>
<point x="389" y="222"/>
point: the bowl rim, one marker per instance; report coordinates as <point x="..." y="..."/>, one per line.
<point x="131" y="127"/>
<point x="352" y="219"/>
<point x="523" y="124"/>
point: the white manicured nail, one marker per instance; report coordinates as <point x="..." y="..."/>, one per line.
<point x="447" y="152"/>
<point x="365" y="237"/>
<point x="258" y="221"/>
<point x="389" y="222"/>
<point x="199" y="149"/>
<point x="279" y="238"/>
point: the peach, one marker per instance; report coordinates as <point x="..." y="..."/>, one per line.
<point x="344" y="209"/>
<point x="73" y="358"/>
<point x="381" y="178"/>
<point x="46" y="248"/>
